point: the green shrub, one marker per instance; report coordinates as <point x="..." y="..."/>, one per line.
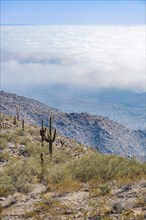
<point x="6" y="186"/>
<point x="18" y="174"/>
<point x="105" y="189"/>
<point x="98" y="166"/>
<point x="32" y="131"/>
<point x="33" y="149"/>
<point x="3" y="143"/>
<point x="57" y="174"/>
<point x="4" y="156"/>
<point x="9" y="136"/>
<point x="24" y="140"/>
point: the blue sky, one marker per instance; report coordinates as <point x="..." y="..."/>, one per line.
<point x="101" y="12"/>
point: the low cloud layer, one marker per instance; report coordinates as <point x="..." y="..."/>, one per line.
<point x="86" y="57"/>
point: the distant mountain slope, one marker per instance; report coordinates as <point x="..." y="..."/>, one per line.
<point x="125" y="107"/>
<point x="91" y="130"/>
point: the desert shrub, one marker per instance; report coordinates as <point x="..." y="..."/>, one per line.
<point x="59" y="156"/>
<point x="4" y="156"/>
<point x="57" y="174"/>
<point x="24" y="140"/>
<point x="19" y="132"/>
<point x="105" y="189"/>
<point x="32" y="131"/>
<point x="34" y="149"/>
<point x="17" y="176"/>
<point x="83" y="169"/>
<point x="94" y="165"/>
<point x="6" y="186"/>
<point x="3" y="143"/>
<point x="50" y="172"/>
<point x="65" y="185"/>
<point x="10" y="137"/>
<point x="33" y="165"/>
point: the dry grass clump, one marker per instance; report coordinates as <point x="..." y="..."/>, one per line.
<point x="47" y="206"/>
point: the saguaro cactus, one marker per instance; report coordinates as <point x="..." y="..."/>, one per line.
<point x="51" y="138"/>
<point x="17" y="113"/>
<point x="42" y="132"/>
<point x="42" y="167"/>
<point x="15" y="120"/>
<point x="48" y="137"/>
<point x="23" y="125"/>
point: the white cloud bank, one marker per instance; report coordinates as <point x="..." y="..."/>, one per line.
<point x="83" y="56"/>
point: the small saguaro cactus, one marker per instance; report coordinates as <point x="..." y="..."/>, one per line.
<point x="23" y="125"/>
<point x="17" y="113"/>
<point x="42" y="167"/>
<point x="42" y="158"/>
<point x="48" y="137"/>
<point x="15" y="120"/>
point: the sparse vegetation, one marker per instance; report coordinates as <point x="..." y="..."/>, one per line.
<point x="104" y="167"/>
<point x="71" y="168"/>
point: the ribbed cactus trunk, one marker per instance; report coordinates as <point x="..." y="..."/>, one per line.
<point x="50" y="142"/>
<point x="15" y="120"/>
<point x="23" y="125"/>
<point x="51" y="138"/>
<point x="17" y="113"/>
<point x="42" y="167"/>
<point x="50" y="148"/>
<point x="42" y="131"/>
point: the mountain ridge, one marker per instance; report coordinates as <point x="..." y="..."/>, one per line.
<point x="91" y="130"/>
<point x="125" y="107"/>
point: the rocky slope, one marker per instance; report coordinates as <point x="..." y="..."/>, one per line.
<point x="91" y="130"/>
<point x="117" y="193"/>
<point x="125" y="107"/>
<point x="124" y="202"/>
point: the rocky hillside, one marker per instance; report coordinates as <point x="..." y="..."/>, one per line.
<point x="75" y="183"/>
<point x="125" y="107"/>
<point x="91" y="130"/>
